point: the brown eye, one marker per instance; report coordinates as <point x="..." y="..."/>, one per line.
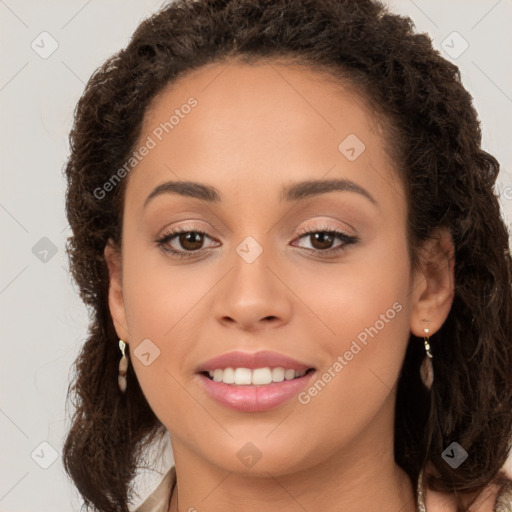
<point x="322" y="240"/>
<point x="183" y="242"/>
<point x="191" y="240"/>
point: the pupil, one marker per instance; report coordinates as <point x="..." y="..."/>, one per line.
<point x="322" y="236"/>
<point x="189" y="239"/>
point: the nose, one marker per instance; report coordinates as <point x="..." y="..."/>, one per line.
<point x="254" y="296"/>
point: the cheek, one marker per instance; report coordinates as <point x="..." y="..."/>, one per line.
<point x="158" y="292"/>
<point x="158" y="300"/>
<point x="369" y="287"/>
<point x="365" y="306"/>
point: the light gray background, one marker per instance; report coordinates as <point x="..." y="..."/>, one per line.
<point x="43" y="322"/>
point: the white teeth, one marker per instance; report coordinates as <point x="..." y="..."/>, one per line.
<point x="278" y="374"/>
<point x="228" y="376"/>
<point x="289" y="374"/>
<point x="242" y="376"/>
<point x="256" y="377"/>
<point x="261" y="376"/>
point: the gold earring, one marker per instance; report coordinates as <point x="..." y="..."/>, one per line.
<point x="123" y="367"/>
<point x="426" y="369"/>
<point x="425" y="342"/>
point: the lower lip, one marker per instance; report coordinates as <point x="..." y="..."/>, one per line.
<point x="254" y="398"/>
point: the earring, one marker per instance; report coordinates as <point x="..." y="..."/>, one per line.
<point x="123" y="367"/>
<point x="426" y="369"/>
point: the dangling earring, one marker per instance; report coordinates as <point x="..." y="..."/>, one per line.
<point x="123" y="367"/>
<point x="427" y="370"/>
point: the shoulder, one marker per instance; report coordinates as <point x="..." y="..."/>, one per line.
<point x="489" y="500"/>
<point x="159" y="499"/>
<point x="504" y="500"/>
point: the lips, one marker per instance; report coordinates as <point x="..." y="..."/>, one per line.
<point x="252" y="361"/>
<point x="253" y="382"/>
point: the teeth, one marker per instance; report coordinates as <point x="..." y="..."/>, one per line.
<point x="289" y="374"/>
<point x="278" y="374"/>
<point x="261" y="376"/>
<point x="256" y="377"/>
<point x="228" y="376"/>
<point x="242" y="376"/>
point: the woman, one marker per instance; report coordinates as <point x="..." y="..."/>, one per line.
<point x="286" y="227"/>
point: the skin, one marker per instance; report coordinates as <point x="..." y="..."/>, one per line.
<point x="257" y="128"/>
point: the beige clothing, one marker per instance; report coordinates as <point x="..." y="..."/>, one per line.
<point x="160" y="499"/>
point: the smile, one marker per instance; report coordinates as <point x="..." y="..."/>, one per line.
<point x="253" y="381"/>
<point x="256" y="376"/>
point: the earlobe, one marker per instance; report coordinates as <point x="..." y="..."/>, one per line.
<point x="115" y="290"/>
<point x="434" y="283"/>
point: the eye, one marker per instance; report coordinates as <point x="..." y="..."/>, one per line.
<point x="189" y="238"/>
<point x="322" y="239"/>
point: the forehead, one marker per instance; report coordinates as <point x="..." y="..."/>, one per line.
<point x="257" y="126"/>
<point x="264" y="91"/>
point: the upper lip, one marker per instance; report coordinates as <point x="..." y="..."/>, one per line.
<point x="252" y="360"/>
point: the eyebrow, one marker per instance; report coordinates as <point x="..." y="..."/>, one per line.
<point x="295" y="192"/>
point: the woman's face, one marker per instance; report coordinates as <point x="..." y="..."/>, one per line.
<point x="341" y="304"/>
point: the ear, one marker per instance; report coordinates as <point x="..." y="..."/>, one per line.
<point x="115" y="289"/>
<point x="433" y="283"/>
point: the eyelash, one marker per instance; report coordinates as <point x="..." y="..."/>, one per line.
<point x="302" y="233"/>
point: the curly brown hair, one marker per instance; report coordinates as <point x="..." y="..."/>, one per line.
<point x="434" y="135"/>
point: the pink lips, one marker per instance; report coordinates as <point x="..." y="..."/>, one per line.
<point x="252" y="398"/>
<point x="252" y="360"/>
